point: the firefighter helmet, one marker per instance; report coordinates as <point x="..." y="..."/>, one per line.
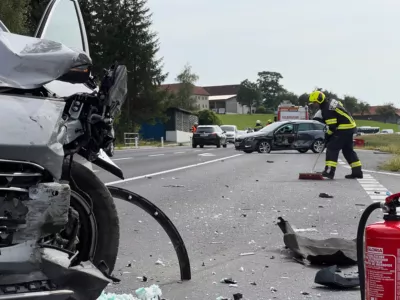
<point x="317" y="97"/>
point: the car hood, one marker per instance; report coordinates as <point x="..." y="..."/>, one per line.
<point x="256" y="134"/>
<point x="29" y="63"/>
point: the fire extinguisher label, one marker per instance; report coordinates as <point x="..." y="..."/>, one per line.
<point x="381" y="274"/>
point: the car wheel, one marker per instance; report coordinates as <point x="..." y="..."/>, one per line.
<point x="248" y="151"/>
<point x="219" y="144"/>
<point x="317" y="146"/>
<point x="264" y="147"/>
<point x="302" y="150"/>
<point x="194" y="146"/>
<point x="225" y="145"/>
<point x="201" y="146"/>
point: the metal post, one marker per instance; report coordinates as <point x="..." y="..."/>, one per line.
<point x="162" y="142"/>
<point x="136" y="142"/>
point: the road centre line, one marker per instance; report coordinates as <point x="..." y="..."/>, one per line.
<point x="173" y="170"/>
<point x="161" y="154"/>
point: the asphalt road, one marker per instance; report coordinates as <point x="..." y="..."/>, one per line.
<point x="225" y="203"/>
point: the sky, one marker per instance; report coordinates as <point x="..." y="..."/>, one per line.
<point x="351" y="47"/>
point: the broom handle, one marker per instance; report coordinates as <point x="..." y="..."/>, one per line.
<point x="316" y="161"/>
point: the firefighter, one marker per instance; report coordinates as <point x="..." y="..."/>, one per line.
<point x="339" y="136"/>
<point x="258" y="126"/>
<point x="194" y="127"/>
<point x="269" y="122"/>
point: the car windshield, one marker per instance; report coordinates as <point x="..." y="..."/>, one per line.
<point x="228" y="128"/>
<point x="205" y="129"/>
<point x="272" y="127"/>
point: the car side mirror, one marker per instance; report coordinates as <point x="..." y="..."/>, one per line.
<point x="76" y="75"/>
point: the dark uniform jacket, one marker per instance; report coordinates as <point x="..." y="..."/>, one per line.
<point x="337" y="117"/>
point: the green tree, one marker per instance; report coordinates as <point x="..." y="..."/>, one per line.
<point x="36" y="11"/>
<point x="14" y="14"/>
<point x="248" y="94"/>
<point x="268" y="83"/>
<point x="208" y="117"/>
<point x="386" y="111"/>
<point x="285" y="95"/>
<point x="121" y="31"/>
<point x="184" y="97"/>
<point x="351" y="104"/>
<point x="363" y="107"/>
<point x="303" y="99"/>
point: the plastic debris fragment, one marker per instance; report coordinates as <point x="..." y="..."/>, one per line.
<point x="150" y="293"/>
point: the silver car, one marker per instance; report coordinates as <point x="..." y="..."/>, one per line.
<point x="231" y="132"/>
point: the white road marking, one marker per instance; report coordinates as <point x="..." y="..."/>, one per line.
<point x="179" y="152"/>
<point x="157" y="154"/>
<point x="375" y="190"/>
<point x="376" y="172"/>
<point x="173" y="170"/>
<point x="206" y="154"/>
<point x="341" y="162"/>
<point x="122" y="158"/>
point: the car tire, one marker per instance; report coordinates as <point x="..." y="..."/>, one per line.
<point x="194" y="146"/>
<point x="264" y="147"/>
<point x="225" y="145"/>
<point x="248" y="151"/>
<point x="219" y="144"/>
<point x="201" y="146"/>
<point x="302" y="150"/>
<point x="317" y="146"/>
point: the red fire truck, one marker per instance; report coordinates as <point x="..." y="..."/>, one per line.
<point x="288" y="111"/>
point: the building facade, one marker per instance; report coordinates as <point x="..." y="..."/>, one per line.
<point x="199" y="94"/>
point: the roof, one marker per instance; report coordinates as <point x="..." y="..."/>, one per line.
<point x="219" y="90"/>
<point x="372" y="111"/>
<point x="174" y="88"/>
<point x="222" y="97"/>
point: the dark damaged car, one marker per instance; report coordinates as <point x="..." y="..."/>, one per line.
<point x="301" y="135"/>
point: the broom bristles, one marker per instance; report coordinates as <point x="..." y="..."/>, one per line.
<point x="311" y="176"/>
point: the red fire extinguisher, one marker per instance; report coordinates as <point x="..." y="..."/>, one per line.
<point x="379" y="268"/>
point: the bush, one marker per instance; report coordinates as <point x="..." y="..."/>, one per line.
<point x="261" y="110"/>
<point x="208" y="117"/>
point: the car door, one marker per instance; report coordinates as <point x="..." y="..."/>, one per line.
<point x="284" y="136"/>
<point x="62" y="22"/>
<point x="305" y="136"/>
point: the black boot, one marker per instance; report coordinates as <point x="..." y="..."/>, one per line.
<point x="329" y="173"/>
<point x="324" y="171"/>
<point x="355" y="173"/>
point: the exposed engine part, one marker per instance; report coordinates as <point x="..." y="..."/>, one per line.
<point x="30" y="209"/>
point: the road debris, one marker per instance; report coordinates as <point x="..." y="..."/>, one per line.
<point x="142" y="279"/>
<point x="241" y="269"/>
<point x="270" y="161"/>
<point x="325" y="195"/>
<point x="332" y="251"/>
<point x="149" y="293"/>
<point x="247" y="254"/>
<point x="237" y="296"/>
<point x="253" y="283"/>
<point x="272" y="289"/>
<point x="333" y="277"/>
<point x="360" y="204"/>
<point x="305" y="293"/>
<point x="160" y="263"/>
<point x="228" y="281"/>
<point x="222" y="298"/>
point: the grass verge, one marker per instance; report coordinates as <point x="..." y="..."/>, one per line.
<point x="244" y="121"/>
<point x="387" y="143"/>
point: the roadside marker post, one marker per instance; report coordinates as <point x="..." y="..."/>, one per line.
<point x="162" y="142"/>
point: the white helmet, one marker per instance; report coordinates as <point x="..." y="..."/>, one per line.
<point x="258" y="122"/>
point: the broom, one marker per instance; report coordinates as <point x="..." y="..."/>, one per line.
<point x="313" y="175"/>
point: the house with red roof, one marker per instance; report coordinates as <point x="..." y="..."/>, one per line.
<point x="199" y="94"/>
<point x="372" y="115"/>
<point x="223" y="99"/>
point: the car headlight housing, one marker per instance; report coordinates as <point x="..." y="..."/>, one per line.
<point x="249" y="139"/>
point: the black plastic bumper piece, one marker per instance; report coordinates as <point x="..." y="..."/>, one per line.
<point x="163" y="220"/>
<point x="44" y="295"/>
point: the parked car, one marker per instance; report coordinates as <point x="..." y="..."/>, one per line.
<point x="231" y="132"/>
<point x="301" y="135"/>
<point x="209" y="135"/>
